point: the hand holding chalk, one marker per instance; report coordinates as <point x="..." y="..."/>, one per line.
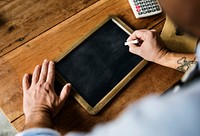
<point x="136" y="41"/>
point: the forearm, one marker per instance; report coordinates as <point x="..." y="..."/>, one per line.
<point x="179" y="61"/>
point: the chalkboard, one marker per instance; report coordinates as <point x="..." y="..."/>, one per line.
<point x="99" y="66"/>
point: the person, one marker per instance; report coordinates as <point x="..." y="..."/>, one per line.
<point x="167" y="115"/>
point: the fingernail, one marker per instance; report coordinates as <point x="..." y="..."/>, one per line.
<point x="51" y="62"/>
<point x="37" y="67"/>
<point x="45" y="60"/>
<point x="69" y="84"/>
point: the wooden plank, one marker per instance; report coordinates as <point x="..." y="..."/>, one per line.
<point x="22" y="20"/>
<point x="10" y="92"/>
<point x="57" y="41"/>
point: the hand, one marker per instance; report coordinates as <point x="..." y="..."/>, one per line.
<point x="151" y="47"/>
<point x="40" y="101"/>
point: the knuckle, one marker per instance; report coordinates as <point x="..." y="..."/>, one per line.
<point x="40" y="84"/>
<point x="150" y="33"/>
<point x="51" y="73"/>
<point x="48" y="86"/>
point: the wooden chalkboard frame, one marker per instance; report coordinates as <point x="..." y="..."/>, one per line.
<point x="94" y="110"/>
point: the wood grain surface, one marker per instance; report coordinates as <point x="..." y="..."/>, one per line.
<point x="50" y="35"/>
<point x="22" y="20"/>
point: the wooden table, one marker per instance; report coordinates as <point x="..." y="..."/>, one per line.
<point x="32" y="30"/>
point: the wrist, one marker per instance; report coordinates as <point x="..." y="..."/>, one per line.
<point x="167" y="58"/>
<point x="162" y="56"/>
<point x="38" y="120"/>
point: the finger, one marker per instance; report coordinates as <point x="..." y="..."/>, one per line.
<point x="25" y="82"/>
<point x="44" y="70"/>
<point x="133" y="49"/>
<point x="36" y="74"/>
<point x="51" y="73"/>
<point x="65" y="93"/>
<point x="132" y="37"/>
<point x="138" y="34"/>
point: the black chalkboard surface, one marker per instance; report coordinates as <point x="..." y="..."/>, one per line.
<point x="99" y="66"/>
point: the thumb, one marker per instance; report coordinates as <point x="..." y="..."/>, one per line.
<point x="25" y="82"/>
<point x="153" y="30"/>
<point x="65" y="92"/>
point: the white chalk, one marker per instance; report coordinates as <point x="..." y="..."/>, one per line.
<point x="136" y="41"/>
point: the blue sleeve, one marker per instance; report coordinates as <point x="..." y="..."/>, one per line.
<point x="168" y="115"/>
<point x="39" y="132"/>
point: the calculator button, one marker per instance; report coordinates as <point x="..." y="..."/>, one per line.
<point x="157" y="8"/>
<point x="138" y="10"/>
<point x="137" y="7"/>
<point x="140" y="13"/>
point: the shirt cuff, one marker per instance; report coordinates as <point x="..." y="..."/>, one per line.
<point x="38" y="132"/>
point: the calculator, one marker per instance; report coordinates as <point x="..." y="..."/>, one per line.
<point x="145" y="8"/>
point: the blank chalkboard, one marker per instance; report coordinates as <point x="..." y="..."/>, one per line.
<point x="99" y="66"/>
